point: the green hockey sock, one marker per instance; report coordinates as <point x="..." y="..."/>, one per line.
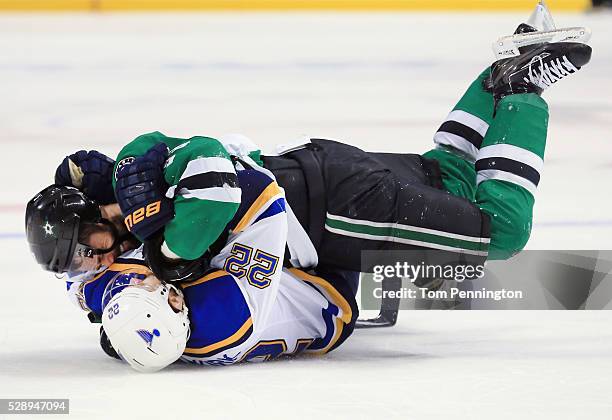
<point x="508" y="168"/>
<point x="466" y="126"/>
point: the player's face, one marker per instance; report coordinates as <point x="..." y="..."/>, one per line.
<point x="103" y="240"/>
<point x="175" y="300"/>
<point x="98" y="237"/>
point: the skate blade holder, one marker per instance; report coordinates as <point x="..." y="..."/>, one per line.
<point x="508" y="46"/>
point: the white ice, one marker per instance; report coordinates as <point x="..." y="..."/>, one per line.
<point x="379" y="81"/>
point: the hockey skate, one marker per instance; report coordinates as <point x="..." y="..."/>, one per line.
<point x="540" y="56"/>
<point x="538" y="68"/>
<point x="540" y="28"/>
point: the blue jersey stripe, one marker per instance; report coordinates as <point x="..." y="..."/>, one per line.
<point x="276" y="207"/>
<point x="252" y="183"/>
<point x="321" y="343"/>
<point x="93" y="292"/>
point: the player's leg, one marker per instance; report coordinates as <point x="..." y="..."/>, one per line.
<point x="373" y="208"/>
<point x="520" y="122"/>
<point x="383" y="202"/>
<point x="508" y="168"/>
<point x="460" y="136"/>
<point x="511" y="158"/>
<point x="514" y="119"/>
<point x="366" y="205"/>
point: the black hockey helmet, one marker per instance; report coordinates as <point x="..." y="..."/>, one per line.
<point x="53" y="219"/>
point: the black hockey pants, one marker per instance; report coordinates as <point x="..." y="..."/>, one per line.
<point x="350" y="201"/>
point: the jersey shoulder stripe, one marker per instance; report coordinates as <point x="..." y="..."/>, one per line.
<point x="210" y="164"/>
<point x="208" y="180"/>
<point x="212" y="178"/>
<point x="220" y="194"/>
<point x="219" y="313"/>
<point x="267" y="198"/>
<point x="206" y="173"/>
<point x="261" y="194"/>
<point x="201" y="168"/>
<point x="278" y="206"/>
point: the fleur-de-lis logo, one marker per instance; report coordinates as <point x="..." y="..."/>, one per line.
<point x="148" y="336"/>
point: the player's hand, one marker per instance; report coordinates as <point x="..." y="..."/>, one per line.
<point x="90" y="172"/>
<point x="140" y="191"/>
<point x="106" y="345"/>
<point x="173" y="270"/>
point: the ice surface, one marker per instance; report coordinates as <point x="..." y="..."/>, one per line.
<point x="380" y="81"/>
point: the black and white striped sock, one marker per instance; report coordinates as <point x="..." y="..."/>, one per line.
<point x="509" y="163"/>
<point x="462" y="131"/>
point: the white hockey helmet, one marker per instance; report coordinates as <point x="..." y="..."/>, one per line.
<point x="141" y="325"/>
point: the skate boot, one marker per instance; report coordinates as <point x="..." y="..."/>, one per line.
<point x="523" y="28"/>
<point x="536" y="56"/>
<point x="539" y="21"/>
<point x="537" y="68"/>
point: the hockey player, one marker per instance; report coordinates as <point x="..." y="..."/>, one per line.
<point x="225" y="212"/>
<point x="218" y="320"/>
<point x="470" y="199"/>
<point x="245" y="308"/>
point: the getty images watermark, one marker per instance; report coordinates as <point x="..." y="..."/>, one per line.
<point x="532" y="279"/>
<point x="429" y="280"/>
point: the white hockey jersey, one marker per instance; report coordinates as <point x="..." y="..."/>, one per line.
<point x="233" y="320"/>
<point x="249" y="308"/>
<point x="229" y="322"/>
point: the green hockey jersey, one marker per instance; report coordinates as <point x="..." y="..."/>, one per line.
<point x="203" y="185"/>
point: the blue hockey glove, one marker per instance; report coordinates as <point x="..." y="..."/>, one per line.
<point x="90" y="172"/>
<point x="140" y="190"/>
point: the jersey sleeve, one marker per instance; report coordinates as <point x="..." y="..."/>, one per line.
<point x="242" y="147"/>
<point x="88" y="295"/>
<point x="203" y="184"/>
<point x="74" y="284"/>
<point x="256" y="245"/>
<point x="86" y="290"/>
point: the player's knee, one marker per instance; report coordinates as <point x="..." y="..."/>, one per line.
<point x="520" y="237"/>
<point x="510" y="210"/>
<point x="510" y="240"/>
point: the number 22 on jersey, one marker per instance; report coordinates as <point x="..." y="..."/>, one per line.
<point x="256" y="265"/>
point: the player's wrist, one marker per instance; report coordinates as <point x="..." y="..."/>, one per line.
<point x="110" y="211"/>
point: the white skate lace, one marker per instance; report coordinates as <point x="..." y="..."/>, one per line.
<point x="549" y="73"/>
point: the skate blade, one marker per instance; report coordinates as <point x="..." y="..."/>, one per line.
<point x="508" y="46"/>
<point x="541" y="19"/>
